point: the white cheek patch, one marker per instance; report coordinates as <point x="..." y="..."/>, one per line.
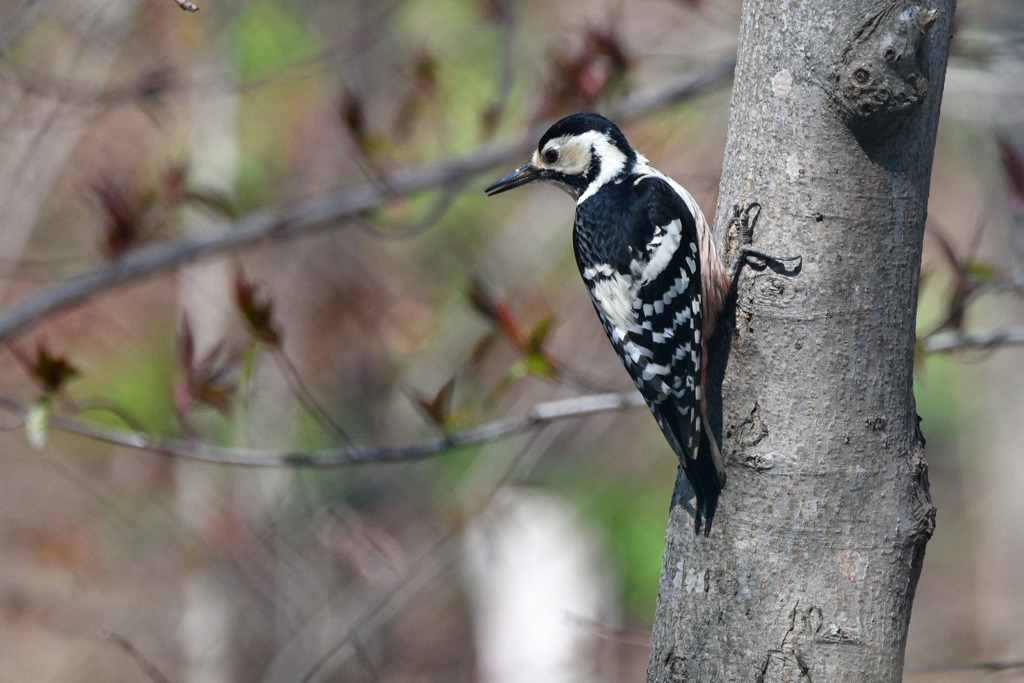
<point x="573" y="157"/>
<point x="613" y="161"/>
<point x="573" y="161"/>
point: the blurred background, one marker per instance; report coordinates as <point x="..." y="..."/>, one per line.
<point x="130" y="124"/>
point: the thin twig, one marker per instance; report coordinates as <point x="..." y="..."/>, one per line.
<point x="147" y="666"/>
<point x="187" y="6"/>
<point x="102" y="405"/>
<point x="364" y="658"/>
<point x="415" y="228"/>
<point x="316" y="214"/>
<point x="599" y="630"/>
<point x="538" y="416"/>
<point x="965" y="341"/>
<point x="308" y="400"/>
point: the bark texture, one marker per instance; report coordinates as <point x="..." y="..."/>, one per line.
<point x="810" y="569"/>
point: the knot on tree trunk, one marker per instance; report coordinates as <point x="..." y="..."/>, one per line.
<point x="879" y="80"/>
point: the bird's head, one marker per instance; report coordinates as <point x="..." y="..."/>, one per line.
<point x="579" y="153"/>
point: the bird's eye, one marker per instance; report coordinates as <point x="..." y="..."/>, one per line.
<point x="551" y="156"/>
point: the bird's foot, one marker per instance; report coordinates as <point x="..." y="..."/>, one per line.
<point x="746" y="254"/>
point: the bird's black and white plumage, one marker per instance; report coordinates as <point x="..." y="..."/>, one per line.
<point x="645" y="253"/>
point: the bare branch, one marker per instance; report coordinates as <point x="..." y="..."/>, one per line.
<point x="308" y="401"/>
<point x="965" y="341"/>
<point x="147" y="666"/>
<point x="541" y="414"/>
<point x="187" y="6"/>
<point x="316" y="214"/>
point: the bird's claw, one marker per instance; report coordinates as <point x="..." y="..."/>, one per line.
<point x="745" y="219"/>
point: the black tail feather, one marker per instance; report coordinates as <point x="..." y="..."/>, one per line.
<point x="710" y="487"/>
<point x="703" y="479"/>
<point x="701" y="472"/>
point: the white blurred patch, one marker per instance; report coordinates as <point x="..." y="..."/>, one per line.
<point x="535" y="572"/>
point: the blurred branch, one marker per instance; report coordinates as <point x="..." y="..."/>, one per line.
<point x="187" y="6"/>
<point x="693" y="83"/>
<point x="992" y="666"/>
<point x="964" y="341"/>
<point x="148" y="668"/>
<point x="540" y="415"/>
<point x="308" y="400"/>
<point x="318" y="214"/>
<point x="615" y="635"/>
<point x="413" y="229"/>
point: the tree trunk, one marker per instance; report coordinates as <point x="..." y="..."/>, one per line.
<point x="810" y="568"/>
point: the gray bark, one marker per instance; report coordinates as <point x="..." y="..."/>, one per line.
<point x="810" y="568"/>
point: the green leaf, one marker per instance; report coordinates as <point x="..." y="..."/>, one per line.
<point x="535" y="340"/>
<point x="517" y="370"/>
<point x="539" y="365"/>
<point x="979" y="270"/>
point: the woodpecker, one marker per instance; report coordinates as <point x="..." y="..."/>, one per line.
<point x="647" y="257"/>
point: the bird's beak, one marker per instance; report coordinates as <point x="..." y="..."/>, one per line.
<point x="527" y="173"/>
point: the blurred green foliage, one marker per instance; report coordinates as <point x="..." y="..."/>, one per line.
<point x="272" y="35"/>
<point x="269" y="40"/>
<point x="138" y="380"/>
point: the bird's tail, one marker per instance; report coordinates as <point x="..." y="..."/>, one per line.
<point x="707" y="476"/>
<point x="704" y="469"/>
